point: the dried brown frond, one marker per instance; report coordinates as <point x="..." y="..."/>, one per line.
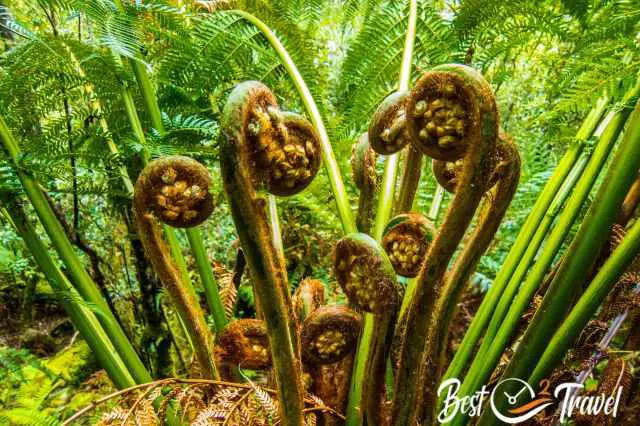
<point x="113" y="417"/>
<point x="622" y="296"/>
<point x="617" y="235"/>
<point x="617" y="377"/>
<point x="589" y="339"/>
<point x="199" y="403"/>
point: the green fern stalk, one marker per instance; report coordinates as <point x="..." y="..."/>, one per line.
<point x="81" y="317"/>
<point x="535" y="243"/>
<point x="485" y="362"/>
<point x="388" y="187"/>
<point x="328" y="157"/>
<point x="79" y="276"/>
<point x="413" y="163"/>
<point x="208" y="280"/>
<point x="586" y="245"/>
<point x="517" y="251"/>
<point x="588" y="304"/>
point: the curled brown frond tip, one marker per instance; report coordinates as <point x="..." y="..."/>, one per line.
<point x="406" y="240"/>
<point x="283" y="147"/>
<point x="387" y="131"/>
<point x="329" y="334"/>
<point x="440" y="112"/>
<point x="290" y="157"/>
<point x="176" y="190"/>
<point x="365" y="274"/>
<point x="448" y="173"/>
<point x="244" y="342"/>
<point x="449" y="109"/>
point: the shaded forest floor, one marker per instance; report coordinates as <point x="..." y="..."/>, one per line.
<point x="45" y="367"/>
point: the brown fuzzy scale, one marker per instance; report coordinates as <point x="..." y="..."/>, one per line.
<point x="419" y="366"/>
<point x="360" y="272"/>
<point x="176" y="189"/>
<point x="157" y="175"/>
<point x="244" y="342"/>
<point x="407" y="243"/>
<point x="387" y="131"/>
<point x="329" y="334"/>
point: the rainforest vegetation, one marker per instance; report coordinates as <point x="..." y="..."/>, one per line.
<point x="312" y="212"/>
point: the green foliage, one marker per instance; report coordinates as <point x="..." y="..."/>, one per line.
<point x="60" y="75"/>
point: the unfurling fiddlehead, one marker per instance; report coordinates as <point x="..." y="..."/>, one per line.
<point x="266" y="148"/>
<point x="330" y="382"/>
<point x="387" y="131"/>
<point x="175" y="190"/>
<point x="329" y="334"/>
<point x="440" y="117"/>
<point x="366" y="275"/>
<point x="365" y="176"/>
<point x="244" y="343"/>
<point x="406" y="240"/>
<point x="451" y="114"/>
<point x="501" y="188"/>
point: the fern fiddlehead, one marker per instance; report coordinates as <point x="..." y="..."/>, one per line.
<point x="175" y="190"/>
<point x="329" y="334"/>
<point x="308" y="297"/>
<point x="265" y="148"/>
<point x="366" y="276"/>
<point x="387" y="131"/>
<point x="447" y="92"/>
<point x="406" y="240"/>
<point x="244" y="343"/>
